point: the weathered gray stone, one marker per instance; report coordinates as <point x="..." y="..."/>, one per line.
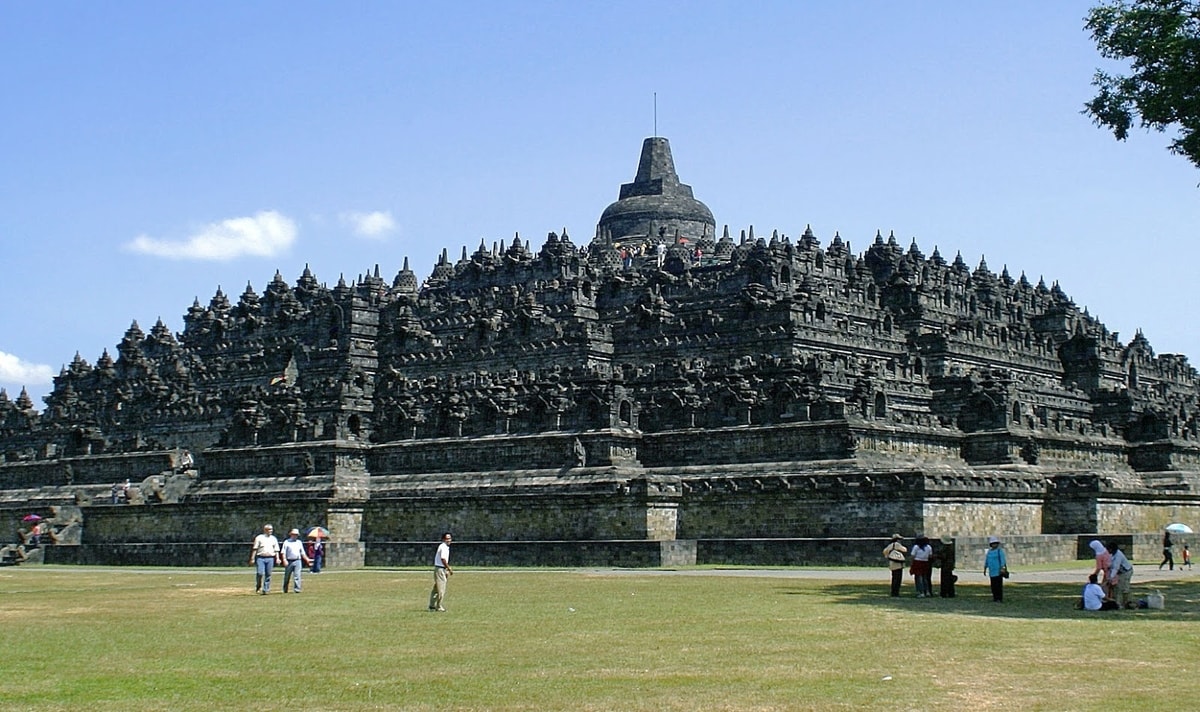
<point x="618" y="393"/>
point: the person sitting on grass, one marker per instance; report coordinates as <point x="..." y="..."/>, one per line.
<point x="1094" y="598"/>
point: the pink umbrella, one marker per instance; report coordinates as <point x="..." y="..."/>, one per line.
<point x="31" y="518"/>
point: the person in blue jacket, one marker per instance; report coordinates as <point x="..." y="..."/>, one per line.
<point x="995" y="567"/>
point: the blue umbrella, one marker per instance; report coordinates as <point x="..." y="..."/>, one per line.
<point x="1178" y="528"/>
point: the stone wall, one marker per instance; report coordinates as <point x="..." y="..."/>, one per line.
<point x="264" y="462"/>
<point x="977" y="517"/>
<point x="1140" y="516"/>
<point x="784" y="506"/>
<point x="607" y="553"/>
<point x="527" y="517"/>
<point x="802" y="441"/>
<point x="673" y="510"/>
<point x="208" y="553"/>
<point x="91" y="470"/>
<point x="199" y="524"/>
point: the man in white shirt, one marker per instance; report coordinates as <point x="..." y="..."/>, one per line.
<point x="264" y="554"/>
<point x="441" y="572"/>
<point x="294" y="558"/>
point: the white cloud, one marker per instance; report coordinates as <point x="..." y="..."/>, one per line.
<point x="375" y="224"/>
<point x="266" y="234"/>
<point x="14" y="370"/>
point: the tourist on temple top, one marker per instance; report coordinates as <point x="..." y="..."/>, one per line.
<point x="264" y="554"/>
<point x="441" y="572"/>
<point x="294" y="559"/>
<point x="922" y="566"/>
<point x="894" y="553"/>
<point x="1094" y="598"/>
<point x="1167" y="555"/>
<point x="1103" y="561"/>
<point x="1120" y="573"/>
<point x="315" y="548"/>
<point x="995" y="567"/>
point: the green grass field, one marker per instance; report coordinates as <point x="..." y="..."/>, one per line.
<point x="162" y="639"/>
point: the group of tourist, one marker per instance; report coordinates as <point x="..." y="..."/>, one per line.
<point x="658" y="250"/>
<point x="1107" y="588"/>
<point x="267" y="552"/>
<point x="923" y="560"/>
<point x="1108" y="584"/>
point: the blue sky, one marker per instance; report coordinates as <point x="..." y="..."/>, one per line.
<point x="152" y="152"/>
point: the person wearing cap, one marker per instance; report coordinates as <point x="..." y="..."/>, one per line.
<point x="995" y="566"/>
<point x="294" y="558"/>
<point x="264" y="554"/>
<point x="894" y="553"/>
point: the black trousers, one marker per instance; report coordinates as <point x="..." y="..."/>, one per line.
<point x="897" y="577"/>
<point x="997" y="588"/>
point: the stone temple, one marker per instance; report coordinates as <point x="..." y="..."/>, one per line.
<point x="656" y="394"/>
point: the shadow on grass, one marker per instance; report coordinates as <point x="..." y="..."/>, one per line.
<point x="1021" y="600"/>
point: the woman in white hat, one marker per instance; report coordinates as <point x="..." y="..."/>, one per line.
<point x="995" y="567"/>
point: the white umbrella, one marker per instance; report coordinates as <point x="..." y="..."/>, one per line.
<point x="1178" y="528"/>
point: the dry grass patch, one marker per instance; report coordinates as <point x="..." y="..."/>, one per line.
<point x="140" y="639"/>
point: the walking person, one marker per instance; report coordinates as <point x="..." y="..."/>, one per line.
<point x="264" y="554"/>
<point x="894" y="553"/>
<point x="1167" y="557"/>
<point x="922" y="566"/>
<point x="441" y="572"/>
<point x="1187" y="557"/>
<point x="995" y="567"/>
<point x="294" y="559"/>
<point x="315" y="548"/>
<point x="1120" y="573"/>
